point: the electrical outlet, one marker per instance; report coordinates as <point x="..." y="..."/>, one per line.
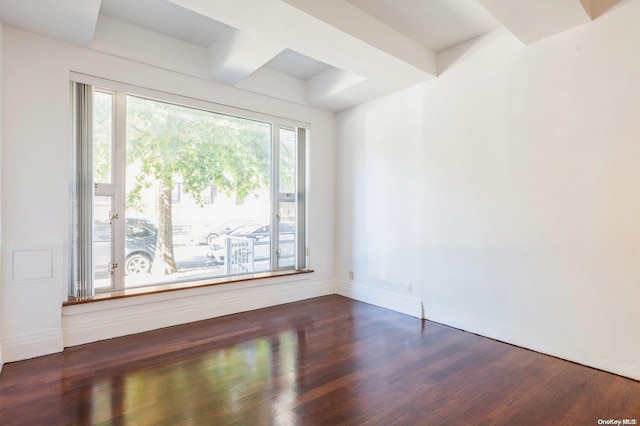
<point x="410" y="287"/>
<point x="351" y="275"/>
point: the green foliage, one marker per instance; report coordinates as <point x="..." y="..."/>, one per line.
<point x="102" y="137"/>
<point x="287" y="160"/>
<point x="166" y="142"/>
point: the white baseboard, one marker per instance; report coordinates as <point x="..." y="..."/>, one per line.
<point x="91" y="322"/>
<point x="414" y="307"/>
<point x="384" y="299"/>
<point x="555" y="349"/>
<point x="31" y="345"/>
<point x="104" y="320"/>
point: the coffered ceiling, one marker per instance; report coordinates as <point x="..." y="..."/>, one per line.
<point x="330" y="54"/>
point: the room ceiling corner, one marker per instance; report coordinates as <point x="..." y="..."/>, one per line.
<point x="597" y="8"/>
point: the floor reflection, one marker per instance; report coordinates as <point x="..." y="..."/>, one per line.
<point x="324" y="361"/>
<point x="249" y="382"/>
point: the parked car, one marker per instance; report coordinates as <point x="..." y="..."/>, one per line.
<point x="262" y="240"/>
<point x="139" y="246"/>
<point x="210" y="233"/>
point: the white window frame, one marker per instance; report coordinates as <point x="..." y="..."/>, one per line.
<point x="116" y="188"/>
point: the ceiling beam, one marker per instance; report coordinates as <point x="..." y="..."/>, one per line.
<point x="315" y="29"/>
<point x="333" y="32"/>
<point x="534" y="20"/>
<point x="352" y="21"/>
<point x="125" y="40"/>
<point x="235" y="55"/>
<point x="329" y="85"/>
<point x="50" y="18"/>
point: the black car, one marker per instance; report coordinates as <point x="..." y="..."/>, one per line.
<point x="139" y="245"/>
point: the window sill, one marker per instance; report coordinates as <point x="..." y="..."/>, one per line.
<point x="142" y="291"/>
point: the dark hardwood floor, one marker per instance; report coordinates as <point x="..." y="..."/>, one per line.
<point x="328" y="360"/>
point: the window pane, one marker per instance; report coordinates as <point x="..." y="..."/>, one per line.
<point x="167" y="144"/>
<point x="287" y="235"/>
<point x="287" y="160"/>
<point x="102" y="136"/>
<point x="102" y="242"/>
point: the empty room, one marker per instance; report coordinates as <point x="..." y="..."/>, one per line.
<point x="299" y="212"/>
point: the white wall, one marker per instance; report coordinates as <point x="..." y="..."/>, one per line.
<point x="1" y="84"/>
<point x="35" y="199"/>
<point x="507" y="191"/>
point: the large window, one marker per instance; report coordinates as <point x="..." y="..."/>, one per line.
<point x="149" y="167"/>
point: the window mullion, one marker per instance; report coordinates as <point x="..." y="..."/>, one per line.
<point x="300" y="194"/>
<point x="119" y="201"/>
<point x="275" y="189"/>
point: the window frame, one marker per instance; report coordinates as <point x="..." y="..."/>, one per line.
<point x="116" y="187"/>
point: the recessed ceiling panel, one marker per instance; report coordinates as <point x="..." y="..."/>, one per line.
<point x="165" y="18"/>
<point x="436" y="24"/>
<point x="297" y="65"/>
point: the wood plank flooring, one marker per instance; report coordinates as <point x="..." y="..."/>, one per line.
<point x="328" y="360"/>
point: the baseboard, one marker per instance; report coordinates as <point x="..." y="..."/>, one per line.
<point x="31" y="345"/>
<point x="414" y="307"/>
<point x="631" y="371"/>
<point x="548" y="348"/>
<point x="384" y="299"/>
<point x="104" y="320"/>
<point x="97" y="321"/>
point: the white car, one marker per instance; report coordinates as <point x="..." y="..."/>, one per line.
<point x="210" y="233"/>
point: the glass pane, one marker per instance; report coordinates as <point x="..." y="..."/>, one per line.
<point x="287" y="235"/>
<point x="194" y="179"/>
<point x="102" y="136"/>
<point x="102" y="243"/>
<point x="287" y="160"/>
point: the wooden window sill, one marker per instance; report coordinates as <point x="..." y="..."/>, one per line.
<point x="142" y="291"/>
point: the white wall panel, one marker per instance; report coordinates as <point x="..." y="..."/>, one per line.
<point x="508" y="192"/>
<point x="1" y="125"/>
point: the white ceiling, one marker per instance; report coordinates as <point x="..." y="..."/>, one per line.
<point x="166" y="18"/>
<point x="296" y="65"/>
<point x="436" y="24"/>
<point x="330" y="54"/>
